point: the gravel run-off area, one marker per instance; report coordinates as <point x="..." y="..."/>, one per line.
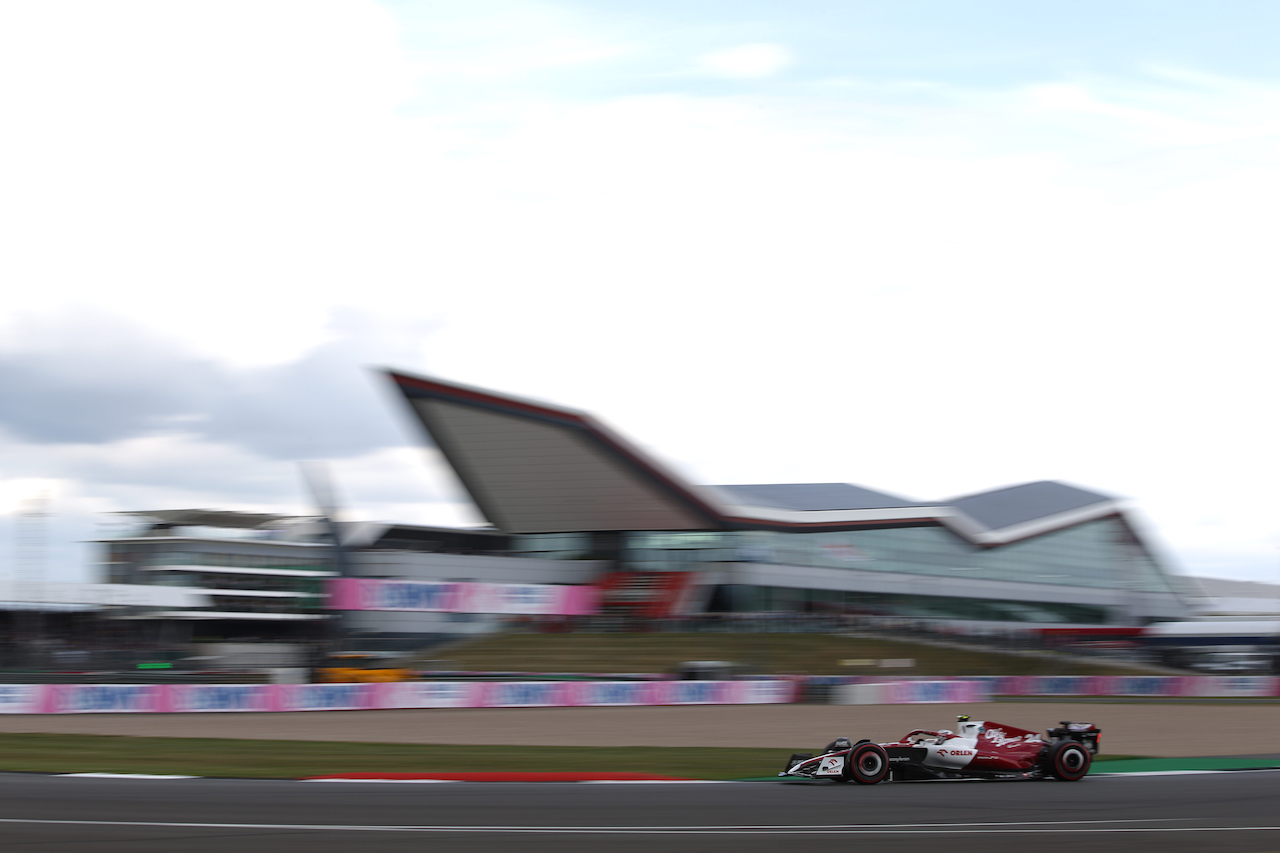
<point x="1146" y="728"/>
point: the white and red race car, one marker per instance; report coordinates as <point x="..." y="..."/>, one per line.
<point x="979" y="750"/>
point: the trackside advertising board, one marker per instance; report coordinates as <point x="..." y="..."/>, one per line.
<point x="434" y="694"/>
<point x="912" y="693"/>
<point x="104" y="698"/>
<point x="22" y="698"/>
<point x="241" y="698"/>
<point x="222" y="697"/>
<point x="1229" y="686"/>
<point x="514" y="599"/>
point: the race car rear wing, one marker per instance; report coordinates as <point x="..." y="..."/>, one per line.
<point x="1085" y="733"/>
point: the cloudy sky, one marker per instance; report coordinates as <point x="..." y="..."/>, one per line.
<point x="928" y="247"/>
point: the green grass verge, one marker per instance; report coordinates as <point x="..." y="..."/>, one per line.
<point x="289" y="759"/>
<point x="807" y="654"/>
<point x="1133" y="764"/>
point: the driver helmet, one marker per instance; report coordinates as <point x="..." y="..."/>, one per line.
<point x="839" y="743"/>
<point x="945" y="734"/>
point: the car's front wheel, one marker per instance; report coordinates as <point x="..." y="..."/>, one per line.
<point x="867" y="764"/>
<point x="1068" y="761"/>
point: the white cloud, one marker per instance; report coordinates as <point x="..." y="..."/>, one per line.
<point x="180" y="160"/>
<point x="746" y="61"/>
<point x="82" y="482"/>
<point x="502" y="41"/>
<point x="26" y="494"/>
<point x="413" y="485"/>
<point x="924" y="288"/>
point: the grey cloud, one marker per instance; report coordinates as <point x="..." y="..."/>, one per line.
<point x="72" y="390"/>
<point x="325" y="405"/>
<point x="96" y="381"/>
<point x="87" y="383"/>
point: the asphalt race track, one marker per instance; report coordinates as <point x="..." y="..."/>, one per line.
<point x="1222" y="812"/>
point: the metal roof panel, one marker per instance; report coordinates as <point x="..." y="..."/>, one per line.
<point x="1030" y="501"/>
<point x="811" y="497"/>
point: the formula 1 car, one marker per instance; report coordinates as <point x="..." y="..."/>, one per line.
<point x="980" y="750"/>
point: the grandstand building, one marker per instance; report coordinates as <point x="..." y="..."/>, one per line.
<point x="253" y="573"/>
<point x="222" y="575"/>
<point x="564" y="487"/>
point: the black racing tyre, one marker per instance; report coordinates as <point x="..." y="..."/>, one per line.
<point x="1068" y="761"/>
<point x="866" y="764"/>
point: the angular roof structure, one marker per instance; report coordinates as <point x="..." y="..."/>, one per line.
<point x="212" y="518"/>
<point x="810" y="497"/>
<point x="1026" y="503"/>
<point x="532" y="467"/>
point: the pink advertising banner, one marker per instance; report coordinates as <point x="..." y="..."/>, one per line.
<point x="433" y="694"/>
<point x="1228" y="686"/>
<point x="241" y="698"/>
<point x="936" y="691"/>
<point x="232" y="698"/>
<point x="22" y="698"/>
<point x="104" y="698"/>
<point x="446" y="597"/>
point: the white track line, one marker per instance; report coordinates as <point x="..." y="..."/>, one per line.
<point x="124" y="776"/>
<point x="638" y="828"/>
<point x="627" y="781"/>
<point x="1017" y="828"/>
<point x="1164" y="773"/>
<point x="517" y="781"/>
<point x="656" y="782"/>
<point x="388" y="781"/>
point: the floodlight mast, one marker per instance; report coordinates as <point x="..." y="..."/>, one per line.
<point x="317" y="478"/>
<point x="32" y="543"/>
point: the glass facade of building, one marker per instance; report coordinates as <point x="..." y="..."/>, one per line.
<point x="741" y="598"/>
<point x="127" y="562"/>
<point x="284" y="582"/>
<point x="1100" y="554"/>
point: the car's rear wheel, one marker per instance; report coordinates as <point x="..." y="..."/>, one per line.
<point x="1068" y="761"/>
<point x="867" y="764"/>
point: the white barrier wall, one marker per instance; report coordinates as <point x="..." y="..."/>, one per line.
<point x="912" y="693"/>
<point x="191" y="698"/>
<point x="1226" y="686"/>
<point x="871" y="690"/>
<point x="187" y="698"/>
